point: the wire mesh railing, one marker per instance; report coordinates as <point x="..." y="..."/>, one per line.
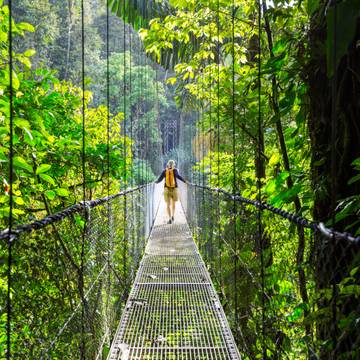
<point x="71" y="274"/>
<point x="289" y="287"/>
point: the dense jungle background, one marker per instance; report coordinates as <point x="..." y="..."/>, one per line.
<point x="269" y="111"/>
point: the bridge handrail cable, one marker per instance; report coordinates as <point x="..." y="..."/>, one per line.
<point x="294" y="218"/>
<point x="73" y="209"/>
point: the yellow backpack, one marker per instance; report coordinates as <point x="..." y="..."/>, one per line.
<point x="169" y="178"/>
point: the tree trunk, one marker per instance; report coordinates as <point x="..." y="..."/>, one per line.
<point x="333" y="258"/>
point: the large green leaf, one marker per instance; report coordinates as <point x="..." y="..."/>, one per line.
<point x="62" y="192"/>
<point x="43" y="168"/>
<point x="47" y="178"/>
<point x="312" y="6"/>
<point x="21" y="163"/>
<point x="25" y="26"/>
<point x="347" y="14"/>
<point x="50" y="194"/>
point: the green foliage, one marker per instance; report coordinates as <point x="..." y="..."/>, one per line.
<point x="57" y="41"/>
<point x="47" y="138"/>
<point x="137" y="12"/>
<point x="347" y="14"/>
<point x="349" y="208"/>
<point x="218" y="77"/>
<point x="205" y="69"/>
<point x="53" y="267"/>
<point x="140" y="99"/>
<point x="142" y="172"/>
<point x="278" y="192"/>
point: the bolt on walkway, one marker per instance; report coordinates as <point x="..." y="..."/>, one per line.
<point x="173" y="311"/>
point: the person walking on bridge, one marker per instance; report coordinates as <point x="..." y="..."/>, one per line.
<point x="171" y="196"/>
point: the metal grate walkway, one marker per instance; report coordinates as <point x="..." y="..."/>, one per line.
<point x="173" y="311"/>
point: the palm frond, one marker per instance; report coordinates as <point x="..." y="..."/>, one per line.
<point x="139" y="12"/>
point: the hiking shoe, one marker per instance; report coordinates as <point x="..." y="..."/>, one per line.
<point x="169" y="222"/>
<point x="172" y="219"/>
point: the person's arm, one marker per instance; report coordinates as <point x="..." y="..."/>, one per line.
<point x="161" y="177"/>
<point x="178" y="176"/>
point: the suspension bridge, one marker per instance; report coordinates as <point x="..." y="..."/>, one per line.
<point x="174" y="310"/>
<point x="107" y="277"/>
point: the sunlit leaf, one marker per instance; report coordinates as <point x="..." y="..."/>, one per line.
<point x="47" y="178"/>
<point x="21" y="163"/>
<point x="62" y="192"/>
<point x="43" y="168"/>
<point x="50" y="194"/>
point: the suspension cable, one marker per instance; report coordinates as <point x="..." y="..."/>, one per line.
<point x="234" y="209"/>
<point x="124" y="98"/>
<point x="157" y="98"/>
<point x="334" y="169"/>
<point x="142" y="117"/>
<point x="82" y="346"/>
<point x="109" y="244"/>
<point x="83" y="98"/>
<point x="259" y="170"/>
<point x="125" y="146"/>
<point x="203" y="215"/>
<point x="11" y="180"/>
<point x="210" y="142"/>
<point x="218" y="137"/>
<point x="108" y="98"/>
<point x="130" y="112"/>
<point x="131" y="197"/>
<point x="138" y="117"/>
<point x="147" y="85"/>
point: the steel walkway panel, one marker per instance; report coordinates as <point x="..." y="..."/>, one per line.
<point x="173" y="311"/>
